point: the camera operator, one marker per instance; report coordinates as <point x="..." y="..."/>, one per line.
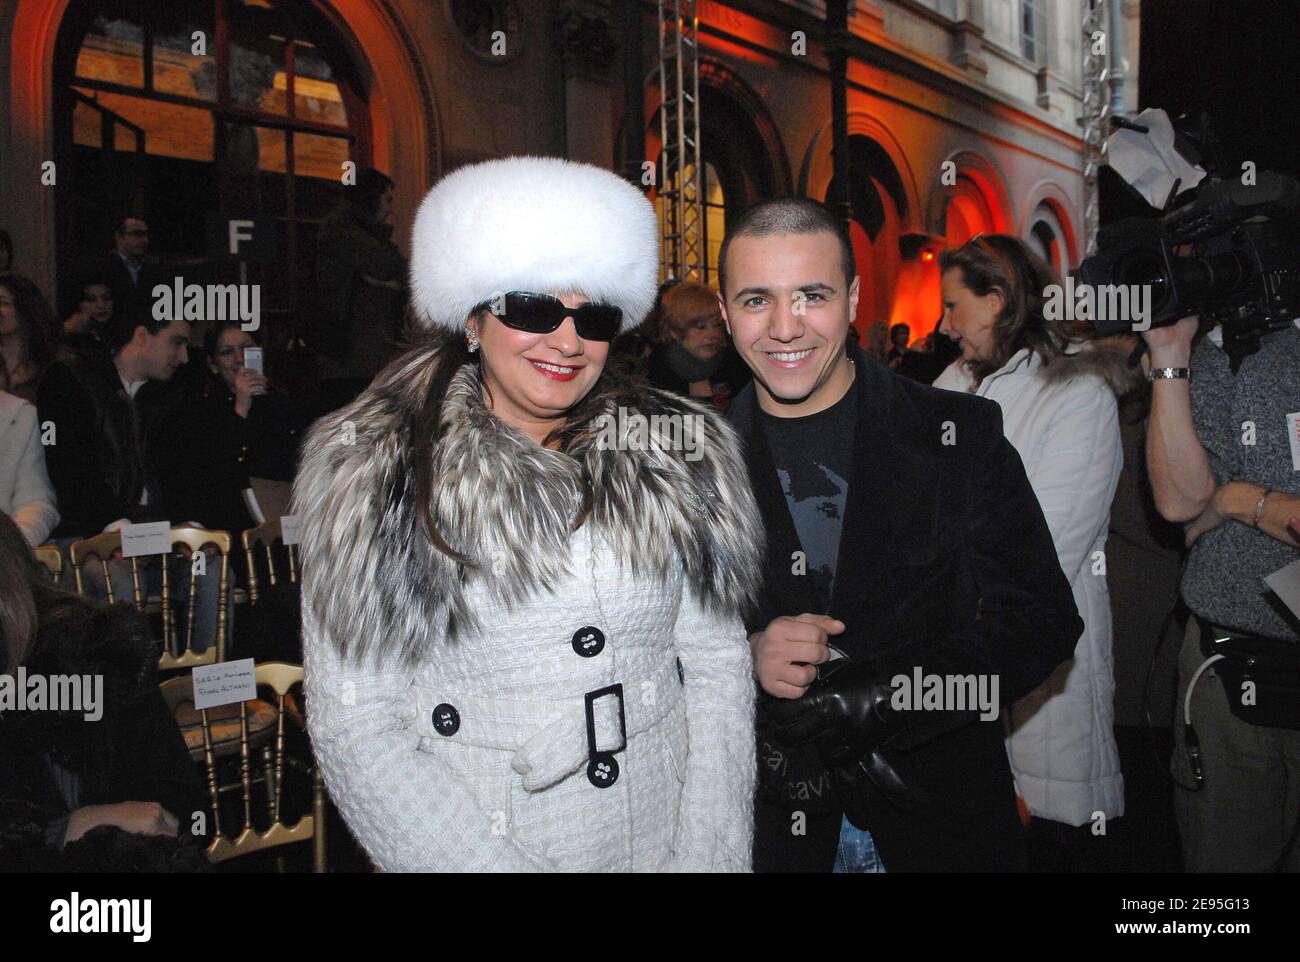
<point x="1220" y="462"/>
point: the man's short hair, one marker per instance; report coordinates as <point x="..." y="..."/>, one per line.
<point x="119" y="219"/>
<point x="899" y="327"/>
<point x="788" y="215"/>
<point x="126" y="318"/>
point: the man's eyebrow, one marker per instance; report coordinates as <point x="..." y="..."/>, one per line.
<point x="809" y="288"/>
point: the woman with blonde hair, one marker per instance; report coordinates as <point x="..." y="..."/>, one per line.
<point x="694" y="357"/>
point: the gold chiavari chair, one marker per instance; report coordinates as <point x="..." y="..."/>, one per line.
<point x="243" y="728"/>
<point x="265" y="536"/>
<point x="101" y="548"/>
<point x="51" y="557"/>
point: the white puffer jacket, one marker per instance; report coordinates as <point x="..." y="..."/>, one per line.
<point x="1063" y="422"/>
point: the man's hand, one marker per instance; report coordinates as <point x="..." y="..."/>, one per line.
<point x="139" y="818"/>
<point x="787" y="652"/>
<point x="1219" y="510"/>
<point x="1171" y="346"/>
<point x="847" y="714"/>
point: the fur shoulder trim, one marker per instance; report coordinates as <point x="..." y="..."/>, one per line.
<point x="678" y="497"/>
<point x="1106" y="361"/>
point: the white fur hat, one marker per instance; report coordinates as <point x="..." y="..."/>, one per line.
<point x="539" y="224"/>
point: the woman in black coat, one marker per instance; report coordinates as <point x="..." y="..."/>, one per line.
<point x="115" y="791"/>
<point x="240" y="426"/>
<point x="243" y="425"/>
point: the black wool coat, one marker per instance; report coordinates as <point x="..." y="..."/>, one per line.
<point x="947" y="564"/>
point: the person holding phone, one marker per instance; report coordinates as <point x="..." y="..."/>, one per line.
<point x="242" y="425"/>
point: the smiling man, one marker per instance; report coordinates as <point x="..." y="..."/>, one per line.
<point x="902" y="535"/>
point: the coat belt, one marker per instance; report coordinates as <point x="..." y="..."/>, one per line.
<point x="549" y="736"/>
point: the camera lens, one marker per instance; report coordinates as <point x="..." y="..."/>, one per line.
<point x="1144" y="268"/>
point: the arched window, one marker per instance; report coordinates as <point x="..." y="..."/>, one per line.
<point x="196" y="111"/>
<point x="879" y="204"/>
<point x="968" y="213"/>
<point x="1047" y="237"/>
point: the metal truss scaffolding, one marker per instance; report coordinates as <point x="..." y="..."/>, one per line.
<point x="1097" y="110"/>
<point x="680" y="171"/>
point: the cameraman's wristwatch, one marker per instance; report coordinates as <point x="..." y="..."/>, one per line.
<point x="1170" y="374"/>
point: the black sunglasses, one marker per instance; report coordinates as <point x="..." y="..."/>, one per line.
<point x="542" y="314"/>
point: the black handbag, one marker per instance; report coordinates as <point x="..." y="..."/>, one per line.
<point x="1260" y="676"/>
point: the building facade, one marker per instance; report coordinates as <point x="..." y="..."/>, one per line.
<point x="963" y="116"/>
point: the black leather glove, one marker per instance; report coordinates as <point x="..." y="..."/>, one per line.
<point x="845" y="713"/>
<point x="851" y="787"/>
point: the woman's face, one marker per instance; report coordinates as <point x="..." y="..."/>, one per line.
<point x="706" y="335"/>
<point x="97" y="303"/>
<point x="967" y="317"/>
<point x="230" y="353"/>
<point x="8" y="313"/>
<point x="536" y="378"/>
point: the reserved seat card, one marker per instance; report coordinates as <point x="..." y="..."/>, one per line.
<point x="152" y="537"/>
<point x="224" y="683"/>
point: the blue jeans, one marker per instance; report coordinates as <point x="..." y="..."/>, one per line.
<point x="205" y="597"/>
<point x="857" y="852"/>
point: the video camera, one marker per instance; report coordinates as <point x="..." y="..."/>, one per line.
<point x="1225" y="253"/>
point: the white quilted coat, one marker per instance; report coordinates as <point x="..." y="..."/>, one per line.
<point x="1066" y="430"/>
<point x="476" y="757"/>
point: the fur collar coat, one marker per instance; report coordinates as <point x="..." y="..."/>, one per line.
<point x="529" y="707"/>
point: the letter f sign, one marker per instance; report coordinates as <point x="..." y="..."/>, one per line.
<point x="240" y="230"/>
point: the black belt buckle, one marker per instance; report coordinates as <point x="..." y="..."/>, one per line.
<point x="602" y="767"/>
<point x="590" y="698"/>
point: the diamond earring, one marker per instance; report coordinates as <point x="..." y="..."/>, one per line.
<point x="471" y="341"/>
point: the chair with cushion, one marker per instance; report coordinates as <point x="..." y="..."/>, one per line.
<point x="248" y="729"/>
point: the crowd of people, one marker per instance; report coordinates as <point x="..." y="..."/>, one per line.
<point x="480" y="563"/>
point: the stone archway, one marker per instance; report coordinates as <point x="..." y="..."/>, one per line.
<point x="985" y="176"/>
<point x="1052" y="195"/>
<point x="817" y="168"/>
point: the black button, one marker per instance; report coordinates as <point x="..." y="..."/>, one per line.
<point x="602" y="770"/>
<point x="589" y="642"/>
<point x="446" y="720"/>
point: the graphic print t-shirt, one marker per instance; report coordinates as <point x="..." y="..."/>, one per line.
<point x="814" y="462"/>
